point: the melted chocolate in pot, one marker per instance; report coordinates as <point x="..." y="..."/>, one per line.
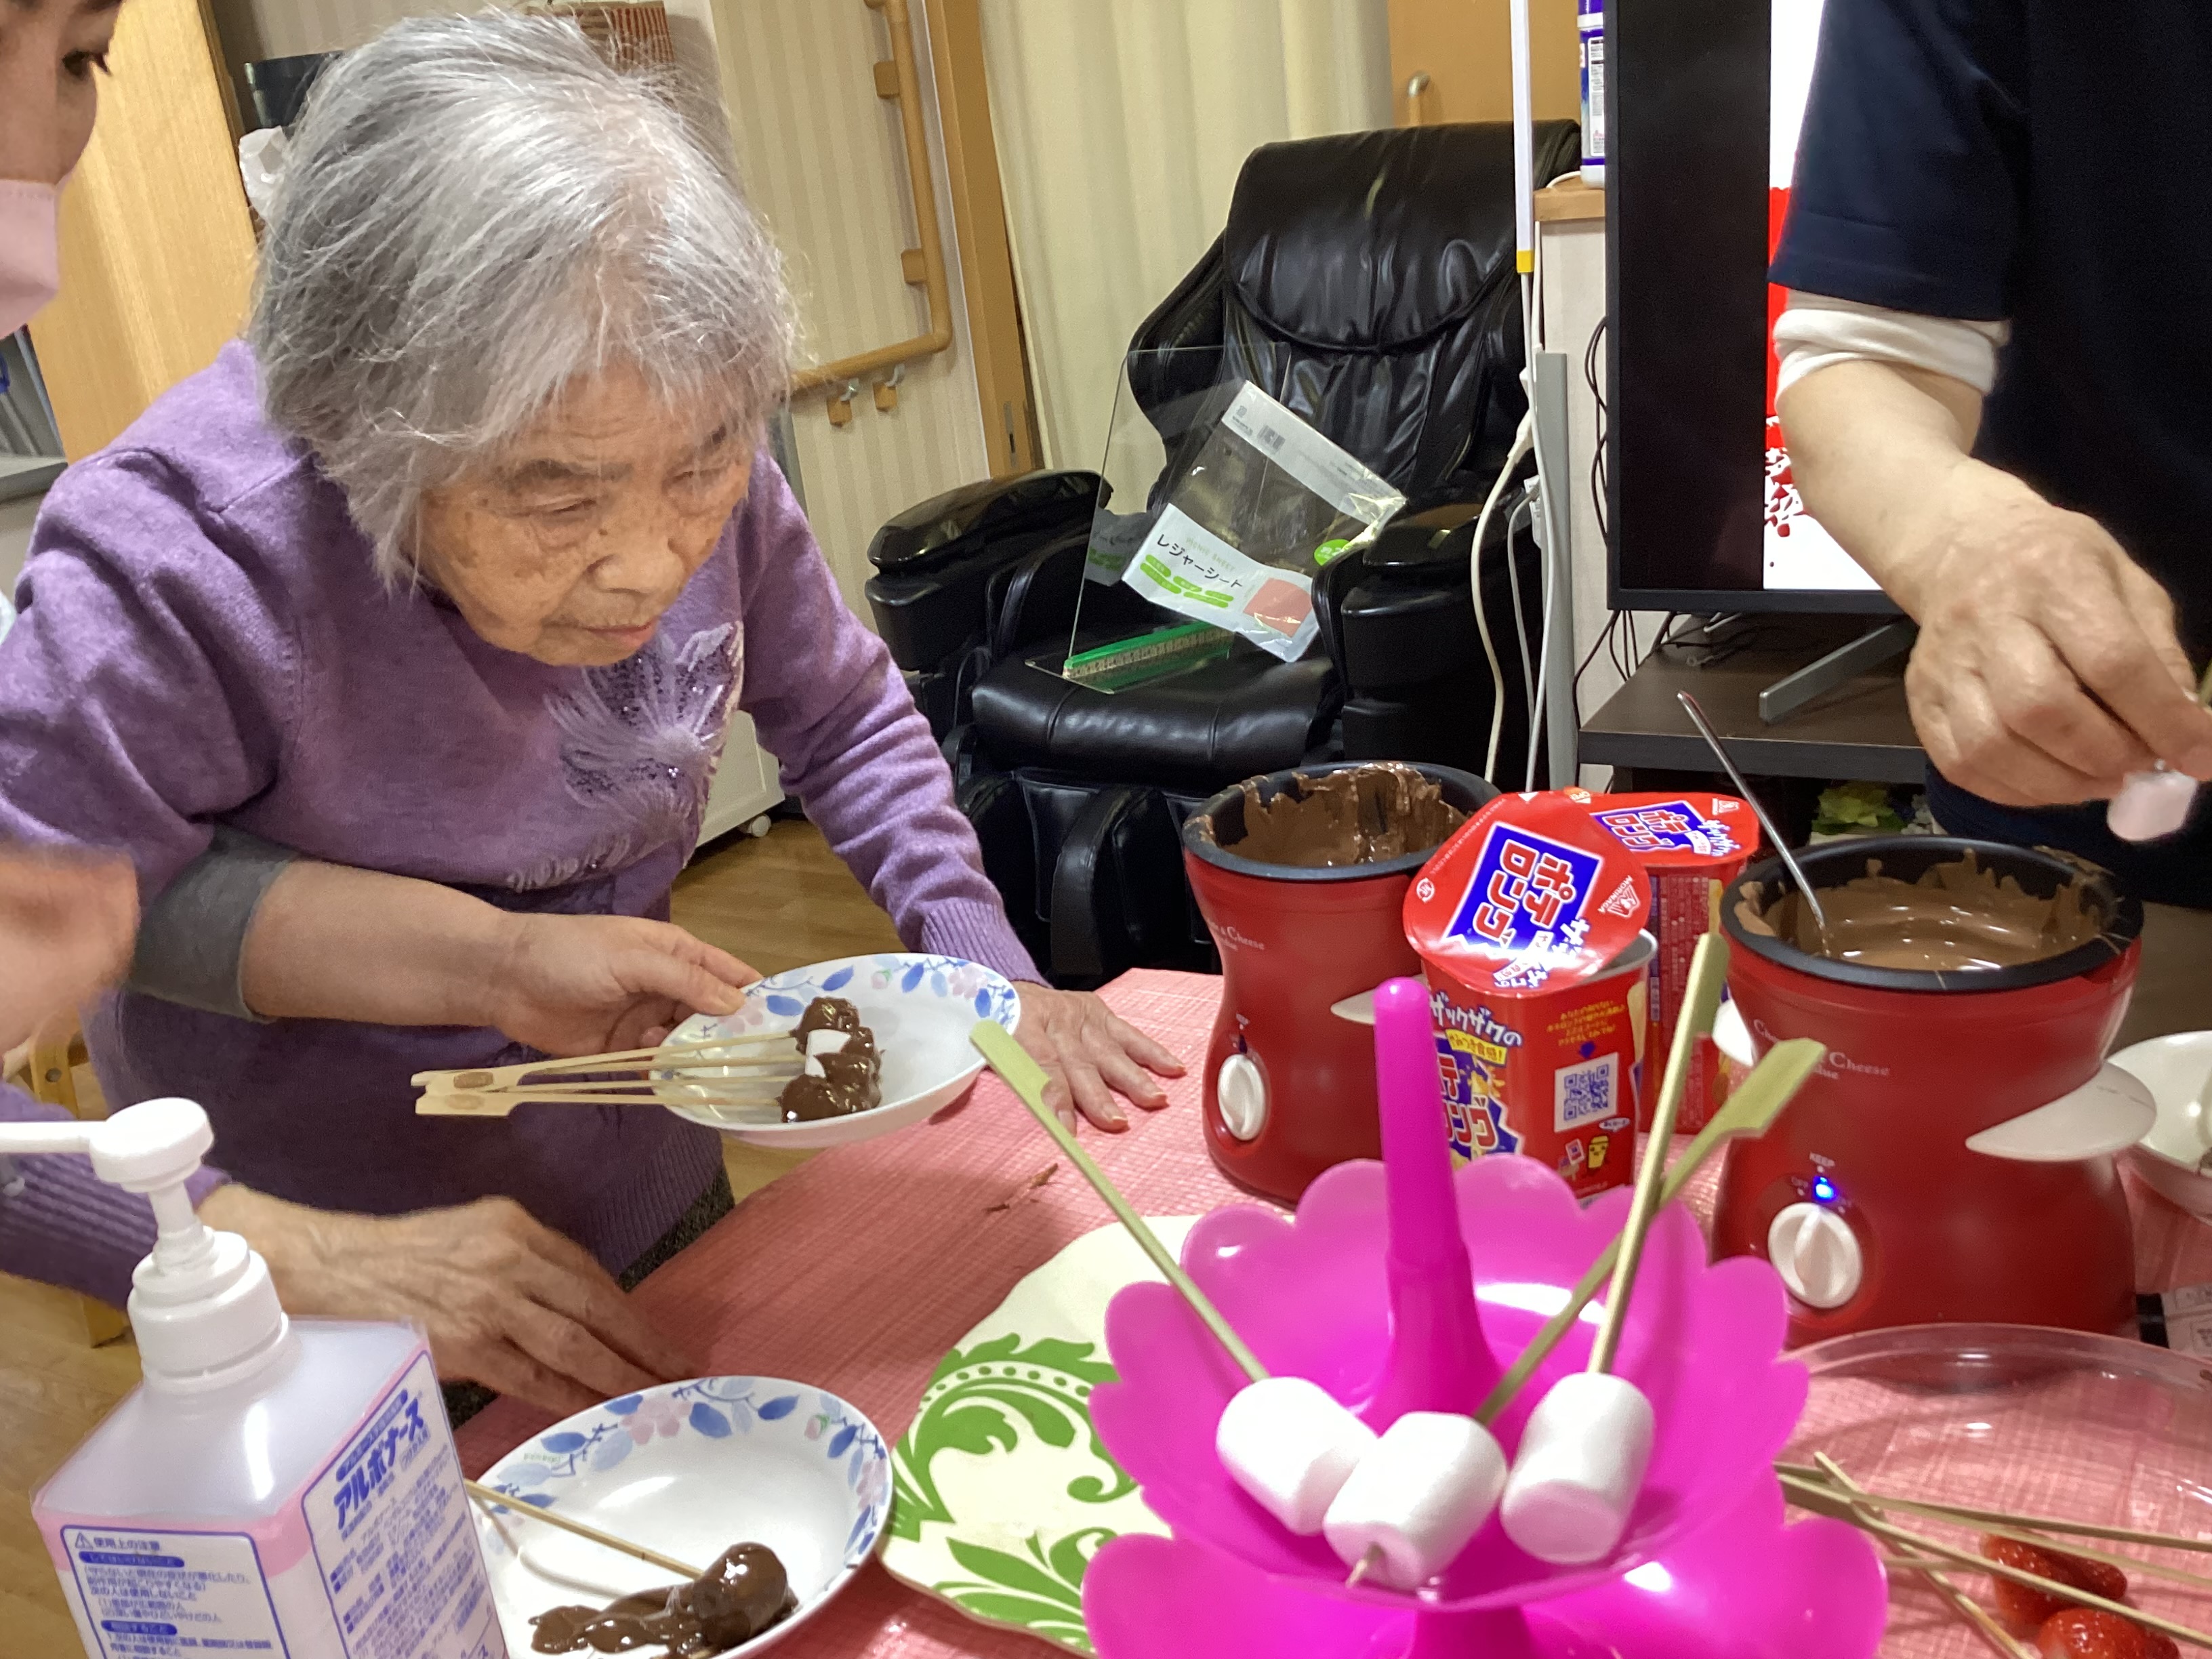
<point x="1368" y="815"/>
<point x="1957" y="917"/>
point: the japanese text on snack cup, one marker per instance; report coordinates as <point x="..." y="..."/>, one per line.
<point x="1674" y="826"/>
<point x="1526" y="901"/>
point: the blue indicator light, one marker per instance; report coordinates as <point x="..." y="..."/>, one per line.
<point x="1824" y="1190"/>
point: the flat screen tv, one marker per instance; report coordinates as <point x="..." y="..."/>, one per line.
<point x="1705" y="98"/>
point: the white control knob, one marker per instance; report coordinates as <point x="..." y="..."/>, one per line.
<point x="1242" y="1094"/>
<point x="1817" y="1254"/>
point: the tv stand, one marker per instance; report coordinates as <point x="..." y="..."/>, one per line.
<point x="1848" y="720"/>
<point x="1870" y="650"/>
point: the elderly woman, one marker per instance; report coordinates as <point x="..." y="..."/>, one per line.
<point x="448" y="582"/>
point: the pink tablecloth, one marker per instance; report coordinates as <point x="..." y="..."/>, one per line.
<point x="860" y="1269"/>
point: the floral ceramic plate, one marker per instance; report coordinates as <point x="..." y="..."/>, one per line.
<point x="921" y="1008"/>
<point x="689" y="1469"/>
<point x="1005" y="1494"/>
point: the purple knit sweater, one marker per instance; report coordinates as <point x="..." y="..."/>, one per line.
<point x="203" y="640"/>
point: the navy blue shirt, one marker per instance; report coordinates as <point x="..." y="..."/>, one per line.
<point x="2046" y="163"/>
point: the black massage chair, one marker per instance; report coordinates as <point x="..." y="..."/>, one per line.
<point x="1366" y="281"/>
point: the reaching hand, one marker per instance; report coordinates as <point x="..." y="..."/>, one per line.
<point x="66" y="926"/>
<point x="589" y="985"/>
<point x="1090" y="1053"/>
<point x="2047" y="667"/>
<point x="508" y="1303"/>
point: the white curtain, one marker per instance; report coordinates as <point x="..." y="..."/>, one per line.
<point x="1121" y="127"/>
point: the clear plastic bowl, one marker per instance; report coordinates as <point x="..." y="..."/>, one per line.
<point x="2014" y="1417"/>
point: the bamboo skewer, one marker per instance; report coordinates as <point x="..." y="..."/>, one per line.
<point x="496" y="1103"/>
<point x="486" y="1496"/>
<point x="1027" y="1080"/>
<point x="667" y="1057"/>
<point x="1772" y="1085"/>
<point x="1828" y="1499"/>
<point x="1961" y="1603"/>
<point x="2024" y="1529"/>
<point x="1986" y="1517"/>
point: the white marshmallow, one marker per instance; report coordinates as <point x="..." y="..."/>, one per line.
<point x="1290" y="1444"/>
<point x="1579" y="1469"/>
<point x="826" y="1041"/>
<point x="813" y="1068"/>
<point x="1417" y="1498"/>
<point x="2151" y="805"/>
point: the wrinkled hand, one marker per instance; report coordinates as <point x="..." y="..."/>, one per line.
<point x="66" y="927"/>
<point x="1089" y="1053"/>
<point x="2047" y="667"/>
<point x="589" y="985"/>
<point x="508" y="1303"/>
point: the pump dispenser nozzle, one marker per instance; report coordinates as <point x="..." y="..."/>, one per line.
<point x="203" y="1307"/>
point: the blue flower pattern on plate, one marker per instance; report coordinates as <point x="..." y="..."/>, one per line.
<point x="953" y="979"/>
<point x="715" y="1408"/>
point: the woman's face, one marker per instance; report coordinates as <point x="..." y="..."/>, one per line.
<point x="568" y="546"/>
<point x="51" y="53"/>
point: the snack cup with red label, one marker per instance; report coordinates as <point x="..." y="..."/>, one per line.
<point x="1528" y="895"/>
<point x="1693" y="845"/>
<point x="1528" y="923"/>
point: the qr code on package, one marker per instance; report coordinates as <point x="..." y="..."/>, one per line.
<point x="1584" y="1093"/>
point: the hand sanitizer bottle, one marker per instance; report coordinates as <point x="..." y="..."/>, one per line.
<point x="273" y="1488"/>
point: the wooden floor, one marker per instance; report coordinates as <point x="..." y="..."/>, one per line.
<point x="781" y="902"/>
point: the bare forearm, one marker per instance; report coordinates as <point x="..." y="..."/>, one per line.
<point x="1881" y="454"/>
<point x="328" y="942"/>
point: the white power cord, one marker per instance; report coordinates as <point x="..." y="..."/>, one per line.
<point x="1543" y="666"/>
<point x="1523" y="514"/>
<point x="1524" y="439"/>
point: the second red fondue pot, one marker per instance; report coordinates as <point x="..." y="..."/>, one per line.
<point x="1290" y="1086"/>
<point x="1952" y="1158"/>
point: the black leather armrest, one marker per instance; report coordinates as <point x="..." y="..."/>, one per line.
<point x="962" y="519"/>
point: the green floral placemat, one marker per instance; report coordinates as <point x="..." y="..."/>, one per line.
<point x="1004" y="1492"/>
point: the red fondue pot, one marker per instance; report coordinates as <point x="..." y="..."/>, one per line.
<point x="1289" y="1087"/>
<point x="1951" y="1159"/>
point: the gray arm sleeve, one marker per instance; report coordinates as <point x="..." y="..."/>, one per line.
<point x="192" y="940"/>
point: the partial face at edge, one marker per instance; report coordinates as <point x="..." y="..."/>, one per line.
<point x="570" y="545"/>
<point x="51" y="53"/>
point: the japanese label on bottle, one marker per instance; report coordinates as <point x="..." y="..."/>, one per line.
<point x="152" y="1594"/>
<point x="1668" y="826"/>
<point x="393" y="1539"/>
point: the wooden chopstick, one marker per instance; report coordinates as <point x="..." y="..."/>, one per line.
<point x="1857" y="1515"/>
<point x="1939" y="1510"/>
<point x="490" y="1498"/>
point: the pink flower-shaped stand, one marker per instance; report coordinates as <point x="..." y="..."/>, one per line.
<point x="1402" y="1287"/>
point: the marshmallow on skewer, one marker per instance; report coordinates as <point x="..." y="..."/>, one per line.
<point x="1417" y="1498"/>
<point x="1580" y="1465"/>
<point x="1582" y="1462"/>
<point x="825" y="1040"/>
<point x="2151" y="805"/>
<point x="1290" y="1445"/>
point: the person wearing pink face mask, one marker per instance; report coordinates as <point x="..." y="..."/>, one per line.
<point x="51" y="54"/>
<point x="66" y="925"/>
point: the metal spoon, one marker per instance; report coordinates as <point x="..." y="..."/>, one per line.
<point x="1788" y="861"/>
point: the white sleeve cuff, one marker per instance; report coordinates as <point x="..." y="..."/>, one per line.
<point x="1815" y="330"/>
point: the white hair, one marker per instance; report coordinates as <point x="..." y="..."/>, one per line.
<point x="476" y="211"/>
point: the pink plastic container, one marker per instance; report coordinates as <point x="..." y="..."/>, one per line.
<point x="1366" y="1292"/>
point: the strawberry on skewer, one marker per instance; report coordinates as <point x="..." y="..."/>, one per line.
<point x="2093" y="1633"/>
